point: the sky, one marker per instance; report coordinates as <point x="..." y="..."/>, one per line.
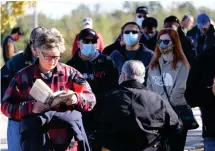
<point x="57" y="8"/>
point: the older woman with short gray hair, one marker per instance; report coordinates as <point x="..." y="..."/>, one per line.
<point x="17" y="103"/>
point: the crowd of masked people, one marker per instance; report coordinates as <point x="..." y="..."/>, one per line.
<point x="134" y="95"/>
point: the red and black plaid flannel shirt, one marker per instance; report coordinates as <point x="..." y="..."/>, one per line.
<point x="17" y="102"/>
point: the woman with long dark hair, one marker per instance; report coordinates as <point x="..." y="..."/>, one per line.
<point x="167" y="76"/>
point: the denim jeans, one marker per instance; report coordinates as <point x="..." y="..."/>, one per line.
<point x="13" y="136"/>
<point x="209" y="144"/>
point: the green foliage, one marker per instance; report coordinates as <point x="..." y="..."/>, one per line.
<point x="107" y="23"/>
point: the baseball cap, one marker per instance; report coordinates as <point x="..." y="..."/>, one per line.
<point x="87" y="32"/>
<point x="203" y="21"/>
<point x="142" y="10"/>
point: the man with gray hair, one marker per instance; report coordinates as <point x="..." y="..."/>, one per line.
<point x="134" y="117"/>
<point x="187" y="22"/>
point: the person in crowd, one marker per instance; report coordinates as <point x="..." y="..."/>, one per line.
<point x="214" y="87"/>
<point x="101" y="73"/>
<point x="187" y="23"/>
<point x="17" y="103"/>
<point x="149" y="34"/>
<point x="133" y="50"/>
<point x="203" y="34"/>
<point x="200" y="92"/>
<point x="88" y="23"/>
<point x="167" y="76"/>
<point x="186" y="43"/>
<point x="140" y="15"/>
<point x="136" y="119"/>
<point x="15" y="64"/>
<point x="8" y="45"/>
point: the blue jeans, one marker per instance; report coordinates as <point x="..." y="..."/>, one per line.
<point x="13" y="136"/>
<point x="209" y="144"/>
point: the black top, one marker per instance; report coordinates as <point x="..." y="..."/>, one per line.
<point x="136" y="119"/>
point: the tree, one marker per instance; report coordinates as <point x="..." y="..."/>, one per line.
<point x="11" y="10"/>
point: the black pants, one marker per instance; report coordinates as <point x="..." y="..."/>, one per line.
<point x="177" y="141"/>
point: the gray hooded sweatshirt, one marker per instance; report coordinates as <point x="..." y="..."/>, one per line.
<point x="174" y="80"/>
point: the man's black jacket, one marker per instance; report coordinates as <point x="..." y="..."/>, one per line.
<point x="199" y="89"/>
<point x="137" y="119"/>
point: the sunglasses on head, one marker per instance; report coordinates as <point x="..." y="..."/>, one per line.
<point x="87" y="41"/>
<point x="131" y="31"/>
<point x="165" y="41"/>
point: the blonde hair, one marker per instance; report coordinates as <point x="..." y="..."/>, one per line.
<point x="51" y="38"/>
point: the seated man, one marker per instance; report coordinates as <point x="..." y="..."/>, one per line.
<point x="136" y="119"/>
<point x="18" y="104"/>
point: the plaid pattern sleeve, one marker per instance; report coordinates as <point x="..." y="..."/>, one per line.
<point x="86" y="99"/>
<point x="14" y="104"/>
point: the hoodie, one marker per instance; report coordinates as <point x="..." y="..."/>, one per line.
<point x="174" y="80"/>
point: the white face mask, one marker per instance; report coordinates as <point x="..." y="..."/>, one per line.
<point x="88" y="26"/>
<point x="168" y="56"/>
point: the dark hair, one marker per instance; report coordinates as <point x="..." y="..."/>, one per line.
<point x="129" y="23"/>
<point x="171" y="19"/>
<point x="33" y="36"/>
<point x="150" y="22"/>
<point x="186" y="17"/>
<point x="17" y="30"/>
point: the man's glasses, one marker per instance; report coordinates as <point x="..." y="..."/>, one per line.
<point x="50" y="58"/>
<point x="131" y="31"/>
<point x="87" y="41"/>
<point x="165" y="41"/>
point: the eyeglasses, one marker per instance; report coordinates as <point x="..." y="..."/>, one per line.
<point x="165" y="41"/>
<point x="49" y="58"/>
<point x="131" y="31"/>
<point x="87" y="41"/>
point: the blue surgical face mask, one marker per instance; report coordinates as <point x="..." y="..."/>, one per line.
<point x="139" y="21"/>
<point x="88" y="49"/>
<point x="131" y="39"/>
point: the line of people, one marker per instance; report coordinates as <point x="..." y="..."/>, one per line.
<point x="136" y="97"/>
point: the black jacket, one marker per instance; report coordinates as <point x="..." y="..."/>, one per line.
<point x="136" y="119"/>
<point x="101" y="73"/>
<point x="34" y="131"/>
<point x="102" y="76"/>
<point x="199" y="91"/>
<point x="202" y="42"/>
<point x="187" y="46"/>
<point x="109" y="49"/>
<point x="149" y="43"/>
